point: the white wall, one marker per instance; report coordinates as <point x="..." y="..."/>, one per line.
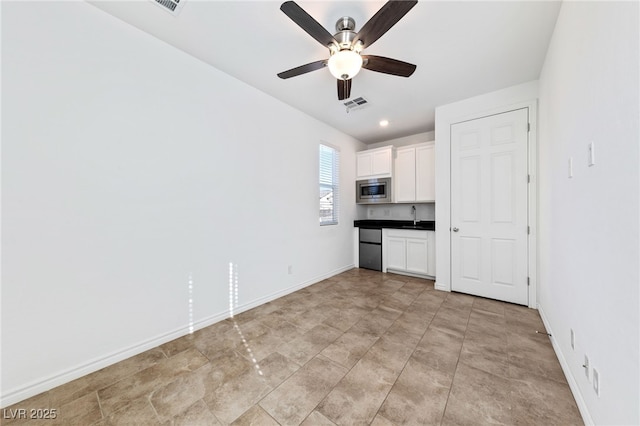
<point x="589" y="238"/>
<point x="519" y="96"/>
<point x="128" y="166"/>
<point x="406" y="140"/>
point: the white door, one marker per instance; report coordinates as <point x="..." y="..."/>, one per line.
<point x="489" y="225"/>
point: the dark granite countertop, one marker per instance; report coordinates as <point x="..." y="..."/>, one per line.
<point x="423" y="225"/>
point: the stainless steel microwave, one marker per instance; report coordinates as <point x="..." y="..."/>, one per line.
<point x="371" y="191"/>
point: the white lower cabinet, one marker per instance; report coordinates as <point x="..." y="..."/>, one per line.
<point x="396" y="249"/>
<point x="409" y="251"/>
<point x="417" y="258"/>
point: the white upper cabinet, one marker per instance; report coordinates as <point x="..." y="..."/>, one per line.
<point x="415" y="173"/>
<point x="405" y="178"/>
<point x="374" y="163"/>
<point x="426" y="172"/>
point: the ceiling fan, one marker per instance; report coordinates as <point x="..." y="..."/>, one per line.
<point x="345" y="47"/>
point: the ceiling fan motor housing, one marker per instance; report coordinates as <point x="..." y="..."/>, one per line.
<point x="345" y="27"/>
<point x="346" y="23"/>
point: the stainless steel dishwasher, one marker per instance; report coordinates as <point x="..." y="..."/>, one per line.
<point x="371" y="249"/>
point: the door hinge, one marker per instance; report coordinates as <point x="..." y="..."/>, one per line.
<point x="528" y="230"/>
<point x="528" y="281"/>
<point x="528" y="127"/>
<point x="528" y="178"/>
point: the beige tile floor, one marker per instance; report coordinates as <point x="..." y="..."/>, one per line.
<point x="359" y="348"/>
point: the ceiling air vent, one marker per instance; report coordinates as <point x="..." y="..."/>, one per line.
<point x="172" y="6"/>
<point x="356" y="104"/>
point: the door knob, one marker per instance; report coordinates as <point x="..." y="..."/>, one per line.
<point x="455" y="229"/>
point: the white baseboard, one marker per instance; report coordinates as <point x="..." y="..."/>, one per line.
<point x="442" y="287"/>
<point x="410" y="274"/>
<point x="573" y="385"/>
<point x="38" y="386"/>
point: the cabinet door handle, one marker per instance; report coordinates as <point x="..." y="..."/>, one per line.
<point x="455" y="229"/>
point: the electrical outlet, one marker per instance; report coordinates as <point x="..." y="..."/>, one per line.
<point x="290" y="269"/>
<point x="596" y="381"/>
<point x="573" y="339"/>
<point x="587" y="367"/>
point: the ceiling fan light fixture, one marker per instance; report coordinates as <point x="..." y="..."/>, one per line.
<point x="345" y="64"/>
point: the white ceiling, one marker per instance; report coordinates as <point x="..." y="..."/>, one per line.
<point x="461" y="49"/>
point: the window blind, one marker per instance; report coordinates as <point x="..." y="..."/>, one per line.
<point x="329" y="185"/>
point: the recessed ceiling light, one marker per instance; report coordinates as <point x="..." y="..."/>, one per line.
<point x="384" y="123"/>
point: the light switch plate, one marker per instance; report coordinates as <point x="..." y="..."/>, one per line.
<point x="570" y="167"/>
<point x="573" y="339"/>
<point x="587" y="367"/>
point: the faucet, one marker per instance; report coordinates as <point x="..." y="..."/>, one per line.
<point x="414" y="214"/>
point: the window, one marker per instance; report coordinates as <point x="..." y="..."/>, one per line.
<point x="329" y="185"/>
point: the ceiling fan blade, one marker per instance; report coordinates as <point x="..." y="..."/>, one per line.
<point x="307" y="23"/>
<point x="383" y="20"/>
<point x="344" y="89"/>
<point x="303" y="69"/>
<point x="387" y="65"/>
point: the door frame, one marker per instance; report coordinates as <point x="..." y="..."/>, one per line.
<point x="443" y="192"/>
